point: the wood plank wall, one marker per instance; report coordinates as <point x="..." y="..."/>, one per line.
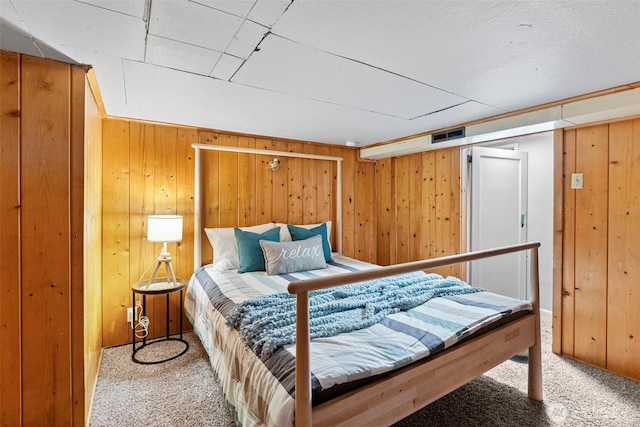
<point x="41" y="250"/>
<point x="10" y="326"/>
<point x="419" y="208"/>
<point x="600" y="322"/>
<point x="92" y="304"/>
<point x="148" y="169"/>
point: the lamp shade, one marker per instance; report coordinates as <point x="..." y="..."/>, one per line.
<point x="164" y="228"/>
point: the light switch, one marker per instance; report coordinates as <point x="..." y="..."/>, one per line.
<point x="577" y="181"/>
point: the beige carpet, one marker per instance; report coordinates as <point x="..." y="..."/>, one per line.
<point x="182" y="392"/>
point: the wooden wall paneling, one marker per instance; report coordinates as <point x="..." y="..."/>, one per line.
<point x="77" y="240"/>
<point x="93" y="246"/>
<point x="568" y="246"/>
<point x="464" y="206"/>
<point x="166" y="203"/>
<point x="10" y="286"/>
<point x="295" y="211"/>
<point x="280" y="185"/>
<point x="445" y="207"/>
<point x="429" y="227"/>
<point x="116" y="280"/>
<point x="623" y="296"/>
<point x="558" y="215"/>
<point x="403" y="213"/>
<point x="210" y="198"/>
<point x="591" y="238"/>
<point x="264" y="183"/>
<point x="142" y="253"/>
<point x="416" y="208"/>
<point x="385" y="211"/>
<point x="349" y="155"/>
<point x="246" y="183"/>
<point x="228" y="184"/>
<point x="309" y="186"/>
<point x="45" y="177"/>
<point x="366" y="232"/>
<point x="146" y="196"/>
<point x="326" y="178"/>
<point x="455" y="220"/>
<point x="183" y="261"/>
<point x="350" y="244"/>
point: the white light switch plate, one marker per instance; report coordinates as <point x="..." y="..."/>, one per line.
<point x="577" y="181"/>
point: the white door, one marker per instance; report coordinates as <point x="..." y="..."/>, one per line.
<point x="498" y="217"/>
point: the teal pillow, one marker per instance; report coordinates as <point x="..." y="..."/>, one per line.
<point x="299" y="233"/>
<point x="249" y="251"/>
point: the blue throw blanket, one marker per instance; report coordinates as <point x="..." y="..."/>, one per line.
<point x="268" y="322"/>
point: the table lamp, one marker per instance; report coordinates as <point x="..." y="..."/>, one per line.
<point x="164" y="229"/>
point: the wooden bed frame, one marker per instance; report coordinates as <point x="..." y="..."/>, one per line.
<point x="397" y="395"/>
<point x="402" y="393"/>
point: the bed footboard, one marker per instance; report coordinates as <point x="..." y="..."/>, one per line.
<point x="406" y="391"/>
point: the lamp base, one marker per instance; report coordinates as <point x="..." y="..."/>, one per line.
<point x="164" y="258"/>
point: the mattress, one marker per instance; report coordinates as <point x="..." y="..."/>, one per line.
<point x="261" y="392"/>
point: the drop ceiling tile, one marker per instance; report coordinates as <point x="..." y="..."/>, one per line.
<point x="454" y="116"/>
<point x="246" y="40"/>
<point x="264" y="12"/>
<point x="128" y="7"/>
<point x="78" y="29"/>
<point x="267" y="12"/>
<point x="181" y="56"/>
<point x="13" y="42"/>
<point x="294" y="69"/>
<point x="162" y="94"/>
<point x="10" y="21"/>
<point x="234" y="7"/>
<point x="170" y="96"/>
<point x="109" y="74"/>
<point x="511" y="55"/>
<point x="226" y="66"/>
<point x="193" y="23"/>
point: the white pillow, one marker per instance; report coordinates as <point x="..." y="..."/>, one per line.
<point x="225" y="246"/>
<point x="285" y="236"/>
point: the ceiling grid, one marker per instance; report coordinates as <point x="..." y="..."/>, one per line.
<point x="334" y="71"/>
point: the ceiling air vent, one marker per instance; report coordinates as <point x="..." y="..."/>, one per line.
<point x="447" y="135"/>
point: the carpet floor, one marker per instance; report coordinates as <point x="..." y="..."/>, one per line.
<point x="183" y="392"/>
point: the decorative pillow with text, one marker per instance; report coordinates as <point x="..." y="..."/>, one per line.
<point x="291" y="257"/>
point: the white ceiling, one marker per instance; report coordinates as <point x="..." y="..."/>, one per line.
<point x="332" y="71"/>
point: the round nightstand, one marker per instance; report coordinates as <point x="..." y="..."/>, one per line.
<point x="157" y="286"/>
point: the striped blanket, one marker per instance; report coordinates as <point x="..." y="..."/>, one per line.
<point x="268" y="322"/>
<point x="260" y="392"/>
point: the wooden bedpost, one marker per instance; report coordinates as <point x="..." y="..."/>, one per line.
<point x="303" y="370"/>
<point x="535" y="352"/>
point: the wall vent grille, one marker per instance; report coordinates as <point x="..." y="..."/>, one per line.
<point x="447" y="135"/>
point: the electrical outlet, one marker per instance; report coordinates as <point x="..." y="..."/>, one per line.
<point x="130" y="314"/>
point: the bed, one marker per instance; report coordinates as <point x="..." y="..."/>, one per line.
<point x="373" y="374"/>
